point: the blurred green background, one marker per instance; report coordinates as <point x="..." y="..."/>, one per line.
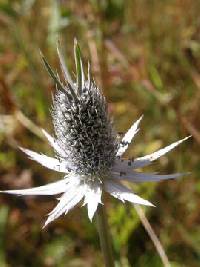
<point x="145" y="55"/>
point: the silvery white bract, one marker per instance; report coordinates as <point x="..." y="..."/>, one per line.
<point x="86" y="147"/>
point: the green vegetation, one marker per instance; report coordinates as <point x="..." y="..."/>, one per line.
<point x="146" y="56"/>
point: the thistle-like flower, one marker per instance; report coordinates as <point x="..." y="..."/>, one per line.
<point x="87" y="148"/>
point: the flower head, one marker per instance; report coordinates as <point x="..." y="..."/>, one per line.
<point x="87" y="148"/>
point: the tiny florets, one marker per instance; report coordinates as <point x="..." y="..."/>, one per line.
<point x="84" y="130"/>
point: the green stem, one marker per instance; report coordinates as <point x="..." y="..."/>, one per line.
<point x="104" y="236"/>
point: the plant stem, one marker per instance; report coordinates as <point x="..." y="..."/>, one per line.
<point x="104" y="236"/>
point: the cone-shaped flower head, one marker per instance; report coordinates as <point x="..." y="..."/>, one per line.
<point x="86" y="147"/>
<point x="82" y="125"/>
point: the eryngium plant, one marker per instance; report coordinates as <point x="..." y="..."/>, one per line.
<point x="86" y="147"/>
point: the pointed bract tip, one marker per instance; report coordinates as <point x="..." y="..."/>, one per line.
<point x="76" y="47"/>
<point x="141" y="117"/>
<point x="22" y="148"/>
<point x="59" y="47"/>
<point x="91" y="218"/>
<point x="75" y="41"/>
<point x="44" y="226"/>
<point x="77" y="50"/>
<point x="43" y="131"/>
<point x="148" y="203"/>
<point x="187" y="137"/>
<point x="46" y="223"/>
<point x="41" y="54"/>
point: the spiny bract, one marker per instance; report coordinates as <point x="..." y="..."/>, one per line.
<point x="86" y="147"/>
